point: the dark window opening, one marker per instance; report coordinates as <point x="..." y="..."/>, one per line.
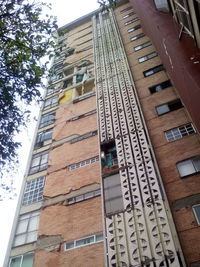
<point x="109" y="157"/>
<point x="126" y="9"/>
<point x="171" y="106"/>
<point x="134" y="28"/>
<point x="138" y="36"/>
<point x="160" y="86"/>
<point x="68" y="83"/>
<point x="153" y="70"/>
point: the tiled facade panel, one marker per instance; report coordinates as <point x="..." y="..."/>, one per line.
<point x="120" y="119"/>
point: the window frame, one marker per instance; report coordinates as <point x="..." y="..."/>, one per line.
<point x="41" y="140"/>
<point x="47" y="122"/>
<point x="161" y="86"/>
<point x="192" y="159"/>
<point x="27" y="218"/>
<point x="128" y="15"/>
<point x="74" y="245"/>
<point x="147" y="57"/>
<point x="142" y="46"/>
<point x="50" y="102"/>
<point x="179" y="135"/>
<point x="171" y="103"/>
<point x="21" y="260"/>
<point x="195" y="214"/>
<point x="131" y="21"/>
<point x="41" y="166"/>
<point x="137" y="37"/>
<point x="33" y="191"/>
<point x="135" y="28"/>
<point x="153" y="70"/>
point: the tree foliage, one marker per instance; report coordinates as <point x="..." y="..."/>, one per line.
<point x="25" y="38"/>
<point x="106" y="4"/>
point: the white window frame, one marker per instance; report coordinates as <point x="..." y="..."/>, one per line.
<point x="25" y="221"/>
<point x="190" y="161"/>
<point x="74" y="242"/>
<point x="33" y="191"/>
<point x="19" y="256"/>
<point x="41" y="164"/>
<point x="177" y="133"/>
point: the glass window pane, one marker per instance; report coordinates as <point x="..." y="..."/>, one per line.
<point x="196" y="162"/>
<point x="22" y="226"/>
<point x="88" y="195"/>
<point x="197" y="212"/>
<point x="15" y="262"/>
<point x="99" y="237"/>
<point x="162" y="109"/>
<point x="27" y="260"/>
<point x="31" y="237"/>
<point x="113" y="194"/>
<point x="85" y="241"/>
<point x="19" y="240"/>
<point x="185" y="168"/>
<point x="69" y="245"/>
<point x="33" y="224"/>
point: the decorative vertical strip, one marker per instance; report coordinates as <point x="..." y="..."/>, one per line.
<point x="141" y="234"/>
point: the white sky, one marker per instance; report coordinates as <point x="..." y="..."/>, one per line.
<point x="66" y="11"/>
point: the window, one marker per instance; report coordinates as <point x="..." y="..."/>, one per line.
<point x="189" y="166"/>
<point x="171" y="106"/>
<point x="47" y="119"/>
<point x="39" y="162"/>
<point x="131" y="21"/>
<point x="83" y="163"/>
<point x="196" y="210"/>
<point x="160" y="86"/>
<point x="134" y="28"/>
<point x="84" y="49"/>
<point x="25" y="260"/>
<point x="27" y="227"/>
<point x="153" y="70"/>
<point x="82" y="137"/>
<point x="85" y="196"/>
<point x="68" y="71"/>
<point x="138" y="36"/>
<point x="139" y="47"/>
<point x="50" y="102"/>
<point x="109" y="155"/>
<point x="179" y="132"/>
<point x="84" y="241"/>
<point x="128" y="15"/>
<point x="82" y="115"/>
<point x="125" y="9"/>
<point x="43" y="138"/>
<point x="113" y="194"/>
<point x="68" y="83"/>
<point x="147" y="57"/>
<point x="84" y="96"/>
<point x="33" y="191"/>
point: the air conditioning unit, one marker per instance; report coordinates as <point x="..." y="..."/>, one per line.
<point x="162" y="5"/>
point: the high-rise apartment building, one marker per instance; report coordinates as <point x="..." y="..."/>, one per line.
<point x="113" y="177"/>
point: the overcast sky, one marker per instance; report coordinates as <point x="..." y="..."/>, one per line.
<point x="66" y="11"/>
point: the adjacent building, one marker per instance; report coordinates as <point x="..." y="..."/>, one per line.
<point x="113" y="177"/>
